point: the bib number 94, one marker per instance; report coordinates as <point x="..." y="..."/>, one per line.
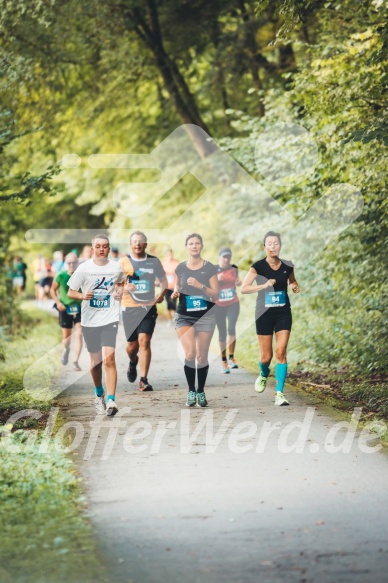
<point x="275" y="299"/>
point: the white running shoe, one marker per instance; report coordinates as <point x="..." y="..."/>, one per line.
<point x="111" y="408"/>
<point x="280" y="399"/>
<point x="260" y="384"/>
<point x="99" y="403"/>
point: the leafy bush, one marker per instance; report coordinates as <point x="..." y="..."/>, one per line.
<point x="44" y="536"/>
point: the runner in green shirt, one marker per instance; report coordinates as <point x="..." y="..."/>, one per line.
<point x="69" y="310"/>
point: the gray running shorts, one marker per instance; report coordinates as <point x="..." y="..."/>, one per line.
<point x="206" y="323"/>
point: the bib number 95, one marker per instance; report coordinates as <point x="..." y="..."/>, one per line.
<point x="195" y="303"/>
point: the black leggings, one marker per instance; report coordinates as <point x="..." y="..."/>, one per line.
<point x="231" y="312"/>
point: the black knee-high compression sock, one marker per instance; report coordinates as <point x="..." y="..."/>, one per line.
<point x="189" y="369"/>
<point x="202" y="375"/>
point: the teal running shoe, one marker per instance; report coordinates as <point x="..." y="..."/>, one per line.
<point x="191" y="399"/>
<point x="201" y="400"/>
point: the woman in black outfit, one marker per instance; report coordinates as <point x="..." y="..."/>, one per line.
<point x="269" y="278"/>
<point x="197" y="289"/>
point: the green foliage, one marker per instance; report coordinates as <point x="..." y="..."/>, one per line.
<point x="44" y="535"/>
<point x="103" y="77"/>
<point x="108" y="77"/>
<point x="17" y="191"/>
<point x="375" y="130"/>
<point x="339" y="319"/>
<point x="20" y="188"/>
<point x="292" y="13"/>
<point x="37" y="333"/>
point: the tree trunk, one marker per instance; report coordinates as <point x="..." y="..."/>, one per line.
<point x="174" y="82"/>
<point x="220" y="72"/>
<point x="186" y="114"/>
<point x="286" y="57"/>
<point x="253" y="54"/>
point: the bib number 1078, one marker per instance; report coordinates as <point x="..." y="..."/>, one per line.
<point x="100" y="301"/>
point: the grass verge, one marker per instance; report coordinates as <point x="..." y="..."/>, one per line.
<point x="339" y="388"/>
<point x="44" y="534"/>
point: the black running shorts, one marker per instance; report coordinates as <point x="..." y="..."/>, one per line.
<point x="171" y="304"/>
<point x="273" y="320"/>
<point x="96" y="338"/>
<point x="139" y="321"/>
<point x="69" y="320"/>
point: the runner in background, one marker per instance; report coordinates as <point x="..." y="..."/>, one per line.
<point x="24" y="268"/>
<point x="37" y="268"/>
<point x="169" y="265"/>
<point x="101" y="284"/>
<point x="227" y="307"/>
<point x="273" y="310"/>
<point x="69" y="311"/>
<point x="197" y="289"/>
<point x="45" y="280"/>
<point x="86" y="253"/>
<point x="138" y="306"/>
<point x="114" y="254"/>
<point x="58" y="263"/>
<point x="18" y="270"/>
<point x="42" y="277"/>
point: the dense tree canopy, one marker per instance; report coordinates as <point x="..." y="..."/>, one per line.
<point x="119" y="76"/>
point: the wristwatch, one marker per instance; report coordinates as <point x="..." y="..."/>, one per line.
<point x="203" y="287"/>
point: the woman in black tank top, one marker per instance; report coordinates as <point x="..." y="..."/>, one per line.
<point x="196" y="288"/>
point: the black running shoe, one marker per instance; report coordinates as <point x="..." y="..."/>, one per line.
<point x="132" y="372"/>
<point x="144" y="385"/>
<point x="65" y="357"/>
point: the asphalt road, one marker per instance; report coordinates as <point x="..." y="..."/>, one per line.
<point x="245" y="497"/>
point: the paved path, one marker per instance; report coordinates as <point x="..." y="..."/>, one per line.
<point x="168" y="513"/>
